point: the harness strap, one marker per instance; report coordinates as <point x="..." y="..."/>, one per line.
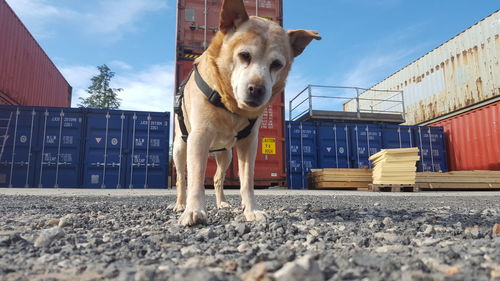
<point x="213" y="97"/>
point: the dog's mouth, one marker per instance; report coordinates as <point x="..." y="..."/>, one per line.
<point x="252" y="103"/>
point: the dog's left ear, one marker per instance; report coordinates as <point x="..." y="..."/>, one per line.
<point x="232" y="15"/>
<point x="300" y="38"/>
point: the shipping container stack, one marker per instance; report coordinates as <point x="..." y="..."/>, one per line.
<point x="318" y="145"/>
<point x="457" y="86"/>
<point x="27" y="75"/>
<point x="197" y="23"/>
<point x="83" y="148"/>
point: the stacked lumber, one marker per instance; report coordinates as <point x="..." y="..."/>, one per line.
<point x="395" y="166"/>
<point x="459" y="180"/>
<point x="340" y="178"/>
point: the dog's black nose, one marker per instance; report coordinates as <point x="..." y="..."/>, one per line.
<point x="256" y="91"/>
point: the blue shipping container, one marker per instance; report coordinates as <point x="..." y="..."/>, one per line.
<point x="18" y="128"/>
<point x="59" y="144"/>
<point x="126" y="149"/>
<point x="366" y="140"/>
<point x="148" y="166"/>
<point x="430" y="142"/>
<point x="301" y="153"/>
<point x="72" y="147"/>
<point x="105" y="146"/>
<point x="346" y="145"/>
<point x="333" y="145"/>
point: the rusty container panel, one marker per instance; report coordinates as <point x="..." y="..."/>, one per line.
<point x="270" y="161"/>
<point x="461" y="72"/>
<point x="27" y="75"/>
<point x="198" y="21"/>
<point x="473" y="139"/>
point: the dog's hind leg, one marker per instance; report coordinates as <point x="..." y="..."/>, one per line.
<point x="179" y="154"/>
<point x="223" y="159"/>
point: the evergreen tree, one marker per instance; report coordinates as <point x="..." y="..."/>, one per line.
<point x="101" y="95"/>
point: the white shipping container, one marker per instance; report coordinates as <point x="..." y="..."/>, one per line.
<point x="461" y="72"/>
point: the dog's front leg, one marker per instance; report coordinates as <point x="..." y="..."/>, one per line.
<point x="247" y="151"/>
<point x="197" y="155"/>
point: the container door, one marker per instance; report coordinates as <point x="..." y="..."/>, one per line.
<point x="18" y="136"/>
<point x="396" y="136"/>
<point x="366" y="140"/>
<point x="430" y="142"/>
<point x="301" y="152"/>
<point x="105" y="162"/>
<point x="60" y="130"/>
<point x="148" y="147"/>
<point x="333" y="145"/>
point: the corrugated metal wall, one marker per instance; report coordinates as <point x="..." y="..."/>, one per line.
<point x="473" y="139"/>
<point x="27" y="75"/>
<point x="461" y="72"/>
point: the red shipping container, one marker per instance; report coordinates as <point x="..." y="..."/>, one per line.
<point x="473" y="139"/>
<point x="27" y="75"/>
<point x="197" y="23"/>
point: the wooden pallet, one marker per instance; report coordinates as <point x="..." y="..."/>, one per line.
<point x="394" y="188"/>
<point x="357" y="179"/>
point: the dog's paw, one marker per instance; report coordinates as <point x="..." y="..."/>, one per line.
<point x="223" y="205"/>
<point x="189" y="218"/>
<point x="255" y="215"/>
<point x="176" y="207"/>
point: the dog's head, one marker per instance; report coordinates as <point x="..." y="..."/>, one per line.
<point x="254" y="55"/>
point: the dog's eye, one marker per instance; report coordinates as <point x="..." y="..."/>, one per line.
<point x="275" y="65"/>
<point x="245" y="56"/>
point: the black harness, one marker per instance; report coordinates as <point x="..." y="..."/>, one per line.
<point x="213" y="97"/>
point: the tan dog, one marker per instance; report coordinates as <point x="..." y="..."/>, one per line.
<point x="247" y="63"/>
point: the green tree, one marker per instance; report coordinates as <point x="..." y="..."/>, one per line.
<point x="101" y="95"/>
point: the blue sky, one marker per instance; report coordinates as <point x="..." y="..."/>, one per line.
<point x="363" y="41"/>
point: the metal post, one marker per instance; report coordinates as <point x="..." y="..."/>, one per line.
<point x="147" y="153"/>
<point x="256" y="8"/>
<point x="335" y="136"/>
<point x="33" y="113"/>
<point x="105" y="157"/>
<point x="399" y="135"/>
<point x="14" y="147"/>
<point x="421" y="151"/>
<point x="290" y="152"/>
<point x="118" y="185"/>
<point x="403" y="105"/>
<point x="357" y="104"/>
<point x="61" y="116"/>
<point x="368" y="145"/>
<point x="302" y="153"/>
<point x="357" y="143"/>
<point x="310" y="99"/>
<point x="46" y="114"/>
<point x="132" y="157"/>
<point x="347" y="146"/>
<point x="430" y="145"/>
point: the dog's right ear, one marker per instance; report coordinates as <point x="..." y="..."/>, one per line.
<point x="232" y="15"/>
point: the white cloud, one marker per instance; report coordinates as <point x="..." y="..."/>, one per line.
<point x="149" y="90"/>
<point x="37" y="14"/>
<point x="368" y="70"/>
<point x="120" y="64"/>
<point x="116" y="17"/>
<point x="108" y="17"/>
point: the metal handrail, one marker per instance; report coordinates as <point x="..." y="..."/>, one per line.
<point x="358" y="98"/>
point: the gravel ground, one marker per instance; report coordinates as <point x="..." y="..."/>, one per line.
<point x="307" y="237"/>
